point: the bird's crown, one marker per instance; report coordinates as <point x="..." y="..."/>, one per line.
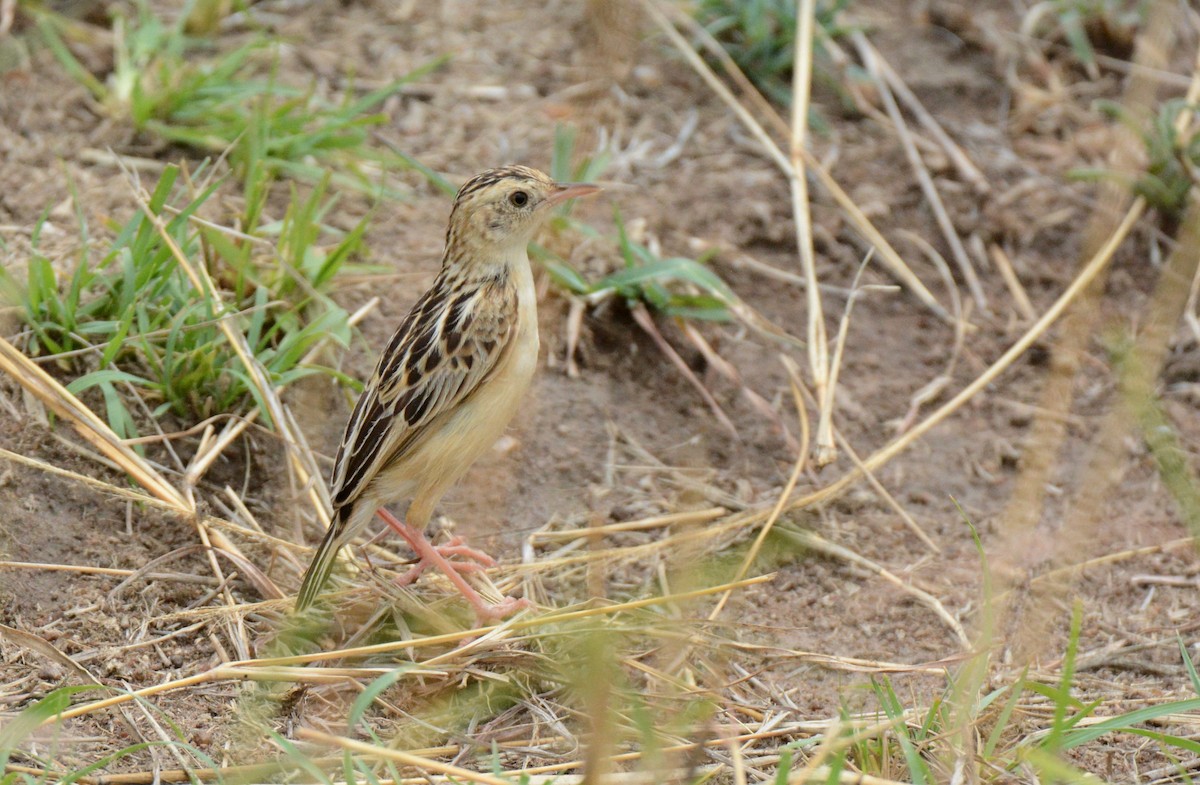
<point x="489" y="179"/>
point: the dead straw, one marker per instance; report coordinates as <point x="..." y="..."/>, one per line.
<point x="824" y="449"/>
<point x="267" y="668"/>
<point x="945" y="225"/>
<point x="892" y="260"/>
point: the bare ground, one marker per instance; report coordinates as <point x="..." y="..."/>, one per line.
<point x="580" y="451"/>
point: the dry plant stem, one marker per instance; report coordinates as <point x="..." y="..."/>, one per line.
<point x="404" y="758"/>
<point x="890" y="258"/>
<point x="1111" y="558"/>
<point x="886" y="453"/>
<point x="730" y="372"/>
<point x="268" y="668"/>
<point x="149" y="501"/>
<point x="855" y="664"/>
<point x="49" y="651"/>
<point x="797" y="470"/>
<point x="739" y="768"/>
<point x="824" y="450"/>
<point x="658" y="521"/>
<point x="961" y="161"/>
<point x="1160" y="315"/>
<point x="886" y="495"/>
<point x="825" y="404"/>
<point x="818" y="543"/>
<point x="828" y="728"/>
<point x="84" y="569"/>
<point x="174" y="505"/>
<point x="827" y="747"/>
<point x="1020" y="297"/>
<point x="235" y="428"/>
<point x="867" y="53"/>
<point x="203" y="284"/>
<point x="574" y="327"/>
<point x="1190" y="313"/>
<point x="87" y="424"/>
<point x="966" y="168"/>
<point x="699" y="33"/>
<point x="642" y="316"/>
<point x="1048" y="429"/>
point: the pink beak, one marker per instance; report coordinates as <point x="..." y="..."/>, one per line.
<point x="564" y="191"/>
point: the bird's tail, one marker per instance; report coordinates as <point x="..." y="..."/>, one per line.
<point x="322" y="562"/>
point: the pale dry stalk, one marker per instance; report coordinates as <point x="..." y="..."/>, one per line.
<point x="888" y="255"/>
<point x="824" y="448"/>
<point x="1048" y="430"/>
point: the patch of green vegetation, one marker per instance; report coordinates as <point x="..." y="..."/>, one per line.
<point x="135" y="320"/>
<point x="760" y="36"/>
<point x="1088" y="25"/>
<point x="180" y="89"/>
<point x="648" y="278"/>
<point x="674" y="286"/>
<point x="1172" y="157"/>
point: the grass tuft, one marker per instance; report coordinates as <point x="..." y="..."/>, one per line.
<point x="1171" y="149"/>
<point x="760" y="36"/>
<point x="171" y="85"/>
<point x="133" y="321"/>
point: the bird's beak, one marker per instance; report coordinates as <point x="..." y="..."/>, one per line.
<point x="564" y="191"/>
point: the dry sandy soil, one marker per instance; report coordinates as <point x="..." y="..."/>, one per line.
<point x="628" y="438"/>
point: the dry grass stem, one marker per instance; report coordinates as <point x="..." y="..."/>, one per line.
<point x="1020" y="297"/>
<point x="777" y="510"/>
<point x="824" y="449"/>
<point x="268" y="668"/>
<point x="949" y="233"/>
<point x="886" y="495"/>
<point x="892" y="260"/>
<point x="642" y="316"/>
<point x="643" y="524"/>
<point x="961" y="161"/>
<point x="204" y="458"/>
<point x="404" y="758"/>
<point x="1086" y="276"/>
<point x="820" y="544"/>
<point x="48" y="650"/>
<point x="1048" y="433"/>
<point x="730" y="372"/>
<point x="84" y="569"/>
<point x="301" y="459"/>
<point x="56" y="397"/>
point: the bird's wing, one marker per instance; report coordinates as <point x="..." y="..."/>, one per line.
<point x="443" y="350"/>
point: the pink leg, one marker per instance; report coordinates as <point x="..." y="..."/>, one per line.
<point x="456" y="546"/>
<point x="430" y="555"/>
<point x="446" y="550"/>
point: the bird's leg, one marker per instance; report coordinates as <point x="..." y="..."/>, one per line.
<point x="430" y="555"/>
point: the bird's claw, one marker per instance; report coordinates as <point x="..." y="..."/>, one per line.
<point x="479" y="561"/>
<point x="490" y="612"/>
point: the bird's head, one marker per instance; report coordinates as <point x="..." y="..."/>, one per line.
<point x="503" y="208"/>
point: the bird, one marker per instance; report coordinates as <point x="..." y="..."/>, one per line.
<point x="448" y="381"/>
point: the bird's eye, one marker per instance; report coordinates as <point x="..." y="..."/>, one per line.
<point x="519" y="198"/>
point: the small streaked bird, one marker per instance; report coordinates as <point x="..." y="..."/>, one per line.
<point x="449" y="380"/>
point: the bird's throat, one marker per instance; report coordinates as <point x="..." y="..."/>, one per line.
<point x="490" y="263"/>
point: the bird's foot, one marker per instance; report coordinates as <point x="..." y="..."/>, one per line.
<point x="430" y="555"/>
<point x="458" y="547"/>
<point x="478" y="561"/>
<point x="487" y="612"/>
